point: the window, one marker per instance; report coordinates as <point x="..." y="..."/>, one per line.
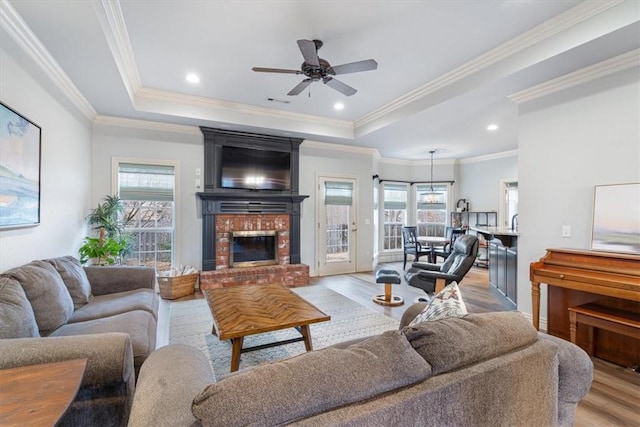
<point x="395" y="215"/>
<point x="510" y="201"/>
<point x="431" y="218"/>
<point x="147" y="193"/>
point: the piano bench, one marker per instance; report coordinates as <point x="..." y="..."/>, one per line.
<point x="597" y="316"/>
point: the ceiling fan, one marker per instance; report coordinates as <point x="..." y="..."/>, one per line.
<point x="316" y="69"/>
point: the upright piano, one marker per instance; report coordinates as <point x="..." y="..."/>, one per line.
<point x="576" y="277"/>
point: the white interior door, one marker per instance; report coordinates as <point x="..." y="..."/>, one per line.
<point x="337" y="226"/>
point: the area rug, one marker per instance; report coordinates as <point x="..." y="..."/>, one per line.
<point x="191" y="323"/>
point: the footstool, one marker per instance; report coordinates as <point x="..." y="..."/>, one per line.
<point x="388" y="277"/>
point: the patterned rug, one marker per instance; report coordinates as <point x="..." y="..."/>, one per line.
<point x="190" y="323"/>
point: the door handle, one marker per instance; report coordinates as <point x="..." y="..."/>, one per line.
<point x="354" y="229"/>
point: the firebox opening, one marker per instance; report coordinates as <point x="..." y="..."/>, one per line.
<point x="253" y="248"/>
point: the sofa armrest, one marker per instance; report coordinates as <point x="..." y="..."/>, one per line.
<point x="169" y="380"/>
<point x="575" y="372"/>
<point x="411" y="312"/>
<point x="108" y="280"/>
<point x="109" y="356"/>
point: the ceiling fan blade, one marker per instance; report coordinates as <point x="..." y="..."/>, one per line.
<point x="339" y="86"/>
<point x="354" y="67"/>
<point x="300" y="87"/>
<point x="275" y="70"/>
<point x="309" y="52"/>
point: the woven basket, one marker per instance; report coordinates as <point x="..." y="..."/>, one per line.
<point x="177" y="286"/>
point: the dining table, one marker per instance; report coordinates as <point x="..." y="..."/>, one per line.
<point x="432" y="242"/>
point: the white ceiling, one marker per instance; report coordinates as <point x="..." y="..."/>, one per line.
<point x="446" y="68"/>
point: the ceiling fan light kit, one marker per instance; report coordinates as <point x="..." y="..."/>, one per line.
<point x="316" y="69"/>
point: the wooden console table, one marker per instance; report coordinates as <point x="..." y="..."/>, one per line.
<point x="39" y="395"/>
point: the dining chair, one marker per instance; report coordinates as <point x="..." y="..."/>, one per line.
<point x="411" y="244"/>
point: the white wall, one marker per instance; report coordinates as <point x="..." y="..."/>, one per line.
<point x="480" y="180"/>
<point x="65" y="162"/>
<point x="570" y="142"/>
<point x="323" y="160"/>
<point x="184" y="147"/>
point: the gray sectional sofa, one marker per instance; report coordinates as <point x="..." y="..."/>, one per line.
<point x="55" y="309"/>
<point x="490" y="369"/>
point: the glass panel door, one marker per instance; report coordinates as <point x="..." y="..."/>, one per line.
<point x="336" y="226"/>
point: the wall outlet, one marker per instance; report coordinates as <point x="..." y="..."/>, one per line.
<point x="566" y="231"/>
<point x="198" y="171"/>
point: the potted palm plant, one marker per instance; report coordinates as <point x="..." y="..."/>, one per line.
<point x="101" y="250"/>
<point x="109" y="219"/>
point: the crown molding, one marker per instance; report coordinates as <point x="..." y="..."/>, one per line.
<point x="122" y="122"/>
<point x="172" y="103"/>
<point x="111" y="19"/>
<point x="340" y="147"/>
<point x="602" y="69"/>
<point x="544" y="31"/>
<point x="487" y="157"/>
<point x="19" y="31"/>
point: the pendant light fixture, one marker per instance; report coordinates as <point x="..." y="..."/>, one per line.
<point x="431" y="196"/>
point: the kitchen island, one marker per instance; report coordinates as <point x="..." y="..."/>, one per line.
<point x="502" y="248"/>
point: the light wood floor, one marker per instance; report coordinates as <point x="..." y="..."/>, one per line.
<point x="614" y="398"/>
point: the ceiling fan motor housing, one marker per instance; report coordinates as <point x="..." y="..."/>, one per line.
<point x="316" y="72"/>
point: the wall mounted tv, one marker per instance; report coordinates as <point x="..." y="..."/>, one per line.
<point x="254" y="169"/>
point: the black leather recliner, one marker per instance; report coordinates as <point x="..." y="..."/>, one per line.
<point x="434" y="277"/>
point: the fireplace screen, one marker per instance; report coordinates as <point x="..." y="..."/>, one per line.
<point x="253" y="248"/>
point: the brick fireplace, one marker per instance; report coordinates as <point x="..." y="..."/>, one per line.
<point x="230" y="204"/>
<point x="283" y="272"/>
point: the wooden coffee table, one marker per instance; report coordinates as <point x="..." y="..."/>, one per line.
<point x="240" y="311"/>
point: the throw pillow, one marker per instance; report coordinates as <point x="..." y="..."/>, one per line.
<point x="311" y="383"/>
<point x="16" y="315"/>
<point x="456" y="342"/>
<point x="45" y="290"/>
<point x="447" y="303"/>
<point x="74" y="278"/>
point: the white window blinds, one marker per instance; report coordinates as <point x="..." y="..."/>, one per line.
<point x="395" y="196"/>
<point x="338" y="193"/>
<point x="146" y="182"/>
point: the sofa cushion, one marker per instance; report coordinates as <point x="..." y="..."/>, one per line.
<point x="16" y="315"/>
<point x="117" y="303"/>
<point x="139" y="325"/>
<point x="456" y="342"/>
<point x="74" y="278"/>
<point x="447" y="303"/>
<point x="49" y="298"/>
<point x="313" y="382"/>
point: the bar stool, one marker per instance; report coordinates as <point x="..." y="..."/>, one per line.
<point x="388" y="277"/>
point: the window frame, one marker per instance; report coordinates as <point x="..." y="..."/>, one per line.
<point x="115" y="168"/>
<point x="398" y="225"/>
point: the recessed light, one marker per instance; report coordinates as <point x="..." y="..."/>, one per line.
<point x="193" y="78"/>
<point x="492" y="127"/>
<point x="338" y="106"/>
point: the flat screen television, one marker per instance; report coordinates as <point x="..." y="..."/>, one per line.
<point x="254" y="169"/>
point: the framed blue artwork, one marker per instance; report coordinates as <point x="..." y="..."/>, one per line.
<point x="19" y="170"/>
